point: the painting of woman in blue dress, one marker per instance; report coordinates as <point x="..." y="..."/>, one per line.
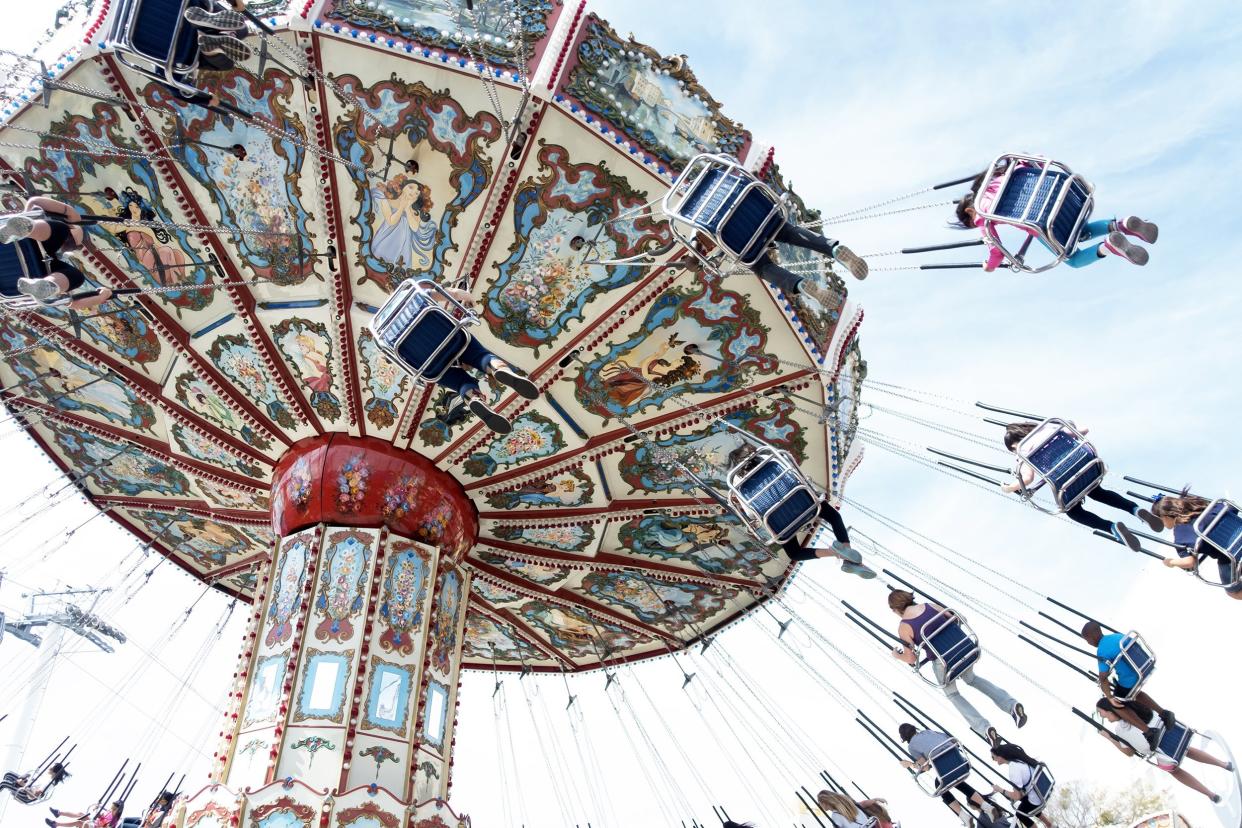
<point x="405" y="234"/>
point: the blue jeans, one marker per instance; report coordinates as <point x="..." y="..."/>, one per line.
<point x="459" y="381"/>
<point x="976" y="720"/>
<point x="1089" y="255"/>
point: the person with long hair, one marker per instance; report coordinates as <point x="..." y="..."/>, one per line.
<point x="103" y="818"/>
<point x="1016" y="432"/>
<point x="1179" y="513"/>
<point x="841" y="810"/>
<point x="1020" y="768"/>
<point x="1107" y="651"/>
<point x="1114" y="232"/>
<point x="1133" y="741"/>
<point x="155" y="815"/>
<point x="877" y="808"/>
<point x="57" y="227"/>
<point x="920" y="744"/>
<point x="26" y="790"/>
<point x="914" y="618"/>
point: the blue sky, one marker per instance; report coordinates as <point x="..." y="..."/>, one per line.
<point x="862" y="102"/>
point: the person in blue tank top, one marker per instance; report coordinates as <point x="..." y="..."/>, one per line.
<point x="914" y="617"/>
<point x="1179" y="514"/>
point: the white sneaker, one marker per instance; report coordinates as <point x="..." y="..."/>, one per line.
<point x="13" y="228"/>
<point x="851" y="261"/>
<point x="41" y="289"/>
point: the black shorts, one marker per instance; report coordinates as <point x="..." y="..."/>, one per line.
<point x="60" y="235"/>
<point x="75" y="277"/>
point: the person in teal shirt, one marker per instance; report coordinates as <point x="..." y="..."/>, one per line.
<point x="1123" y="678"/>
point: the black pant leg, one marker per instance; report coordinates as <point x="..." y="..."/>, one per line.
<point x="1089" y="519"/>
<point x="795" y="551"/>
<point x="1110" y="498"/>
<point x="830" y="514"/>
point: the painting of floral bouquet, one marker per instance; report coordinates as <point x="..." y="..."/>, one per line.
<point x="351" y="484"/>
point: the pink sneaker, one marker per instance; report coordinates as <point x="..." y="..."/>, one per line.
<point x="1119" y="245"/>
<point x="1135" y="226"/>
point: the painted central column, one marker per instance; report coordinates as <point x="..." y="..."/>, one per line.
<point x="350" y="677"/>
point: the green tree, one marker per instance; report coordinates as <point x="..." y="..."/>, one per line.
<point x="1079" y="804"/>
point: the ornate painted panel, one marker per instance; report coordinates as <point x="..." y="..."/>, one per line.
<point x="547" y="282"/>
<point x="698" y="339"/>
<point x="657" y="100"/>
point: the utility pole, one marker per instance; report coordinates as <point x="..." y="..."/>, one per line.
<point x="49" y="639"/>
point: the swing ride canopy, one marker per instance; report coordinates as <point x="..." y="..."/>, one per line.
<point x="174" y="412"/>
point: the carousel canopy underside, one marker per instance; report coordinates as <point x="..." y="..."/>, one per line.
<point x="175" y="410"/>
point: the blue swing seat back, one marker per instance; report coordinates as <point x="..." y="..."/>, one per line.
<point x="947" y="640"/>
<point x="1067" y="462"/>
<point x="1175" y="741"/>
<point x="1220" y="527"/>
<point x="1053" y="203"/>
<point x="740" y="213"/>
<point x="1135" y="652"/>
<point x="950" y="764"/>
<point x="771" y="491"/>
<point x="1041" y="784"/>
<point x="418" y="334"/>
<point x="20" y="259"/>
<point x="153" y="38"/>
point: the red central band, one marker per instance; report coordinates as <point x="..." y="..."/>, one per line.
<point x="361" y="481"/>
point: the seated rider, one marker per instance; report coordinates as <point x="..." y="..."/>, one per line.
<point x="1107" y="650"/>
<point x="842" y="811"/>
<point x="851" y="560"/>
<point x="155" y="815"/>
<point x="1015" y="432"/>
<point x="1132" y="741"/>
<point x="877" y="808"/>
<point x="56" y="226"/>
<point x="1179" y="514"/>
<point x="466" y="387"/>
<point x="1020" y="769"/>
<point x="1114" y="231"/>
<point x="110" y="818"/>
<point x="914" y="618"/>
<point x="920" y="744"/>
<point x="799" y="286"/>
<point x="25" y="789"/>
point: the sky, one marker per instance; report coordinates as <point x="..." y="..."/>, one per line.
<point x="863" y="102"/>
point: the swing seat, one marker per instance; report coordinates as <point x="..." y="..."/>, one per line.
<point x="950" y="764"/>
<point x="771" y="494"/>
<point x="153" y="38"/>
<point x="22" y="259"/>
<point x="1063" y="459"/>
<point x="1041" y="784"/>
<point x="1174" y="742"/>
<point x="1135" y="653"/>
<point x="418" y="334"/>
<point x="716" y="196"/>
<point x="1220" y="528"/>
<point x="949" y="642"/>
<point x="1045" y="198"/>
